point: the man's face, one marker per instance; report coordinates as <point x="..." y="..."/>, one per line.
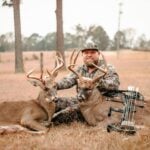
<point x="90" y="56"/>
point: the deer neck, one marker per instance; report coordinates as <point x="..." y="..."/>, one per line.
<point x="95" y="95"/>
<point x="40" y="97"/>
<point x="94" y="98"/>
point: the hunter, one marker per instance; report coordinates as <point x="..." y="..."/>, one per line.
<point x="90" y="54"/>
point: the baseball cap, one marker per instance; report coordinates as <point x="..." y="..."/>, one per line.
<point x="90" y="46"/>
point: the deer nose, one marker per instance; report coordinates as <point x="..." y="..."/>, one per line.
<point x="51" y="99"/>
<point x="81" y="97"/>
<point x="54" y="98"/>
<point x="48" y="100"/>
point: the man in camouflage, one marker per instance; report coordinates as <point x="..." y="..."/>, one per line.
<point x="90" y="55"/>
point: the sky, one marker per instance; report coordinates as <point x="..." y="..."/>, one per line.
<point x="38" y="16"/>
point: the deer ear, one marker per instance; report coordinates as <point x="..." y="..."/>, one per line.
<point x="33" y="82"/>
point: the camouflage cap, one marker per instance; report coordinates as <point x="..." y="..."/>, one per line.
<point x="90" y="46"/>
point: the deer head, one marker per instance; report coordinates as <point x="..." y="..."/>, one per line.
<point x="47" y="83"/>
<point x="85" y="85"/>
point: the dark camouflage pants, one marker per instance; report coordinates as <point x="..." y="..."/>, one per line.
<point x="70" y="116"/>
<point x="63" y="102"/>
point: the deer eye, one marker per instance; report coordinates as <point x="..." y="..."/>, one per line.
<point x="46" y="89"/>
<point x="55" y="87"/>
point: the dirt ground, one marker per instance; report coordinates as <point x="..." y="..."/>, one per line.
<point x="133" y="69"/>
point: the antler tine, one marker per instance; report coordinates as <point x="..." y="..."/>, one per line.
<point x="29" y="73"/>
<point x="100" y="68"/>
<point x="101" y="75"/>
<point x="75" y="59"/>
<point x="49" y="73"/>
<point x="59" y="64"/>
<point x="73" y="62"/>
<point x="41" y="76"/>
<point x="32" y="77"/>
<point x="105" y="62"/>
<point x="71" y="57"/>
<point x="70" y="67"/>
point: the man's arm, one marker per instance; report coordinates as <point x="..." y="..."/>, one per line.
<point x="67" y="82"/>
<point x="110" y="81"/>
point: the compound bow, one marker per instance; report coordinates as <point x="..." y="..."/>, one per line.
<point x="129" y="98"/>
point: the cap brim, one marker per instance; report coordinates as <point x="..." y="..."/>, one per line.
<point x="93" y="49"/>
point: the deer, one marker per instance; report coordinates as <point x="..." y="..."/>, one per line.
<point x="87" y="91"/>
<point x="35" y="114"/>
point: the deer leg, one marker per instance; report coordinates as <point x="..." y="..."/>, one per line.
<point x="98" y="114"/>
<point x="28" y="120"/>
<point x="89" y="117"/>
<point x="30" y="123"/>
<point x="50" y="110"/>
<point x="99" y="117"/>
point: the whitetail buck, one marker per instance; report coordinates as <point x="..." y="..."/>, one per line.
<point x="90" y="107"/>
<point x="34" y="114"/>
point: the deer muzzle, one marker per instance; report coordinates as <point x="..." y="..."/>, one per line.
<point x="52" y="99"/>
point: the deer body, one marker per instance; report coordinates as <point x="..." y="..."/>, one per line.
<point x="88" y="94"/>
<point x="29" y="114"/>
<point x="90" y="107"/>
<point x="34" y="114"/>
<point x="47" y="104"/>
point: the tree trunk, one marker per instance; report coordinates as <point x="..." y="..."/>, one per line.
<point x="19" y="67"/>
<point x="59" y="32"/>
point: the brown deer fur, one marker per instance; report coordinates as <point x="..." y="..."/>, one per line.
<point x="90" y="107"/>
<point x="33" y="114"/>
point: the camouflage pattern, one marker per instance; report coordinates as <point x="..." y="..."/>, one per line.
<point x="70" y="116"/>
<point x="108" y="82"/>
<point x="63" y="102"/>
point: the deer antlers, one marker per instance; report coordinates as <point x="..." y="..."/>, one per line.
<point x="73" y="63"/>
<point x="59" y="65"/>
<point x="40" y="81"/>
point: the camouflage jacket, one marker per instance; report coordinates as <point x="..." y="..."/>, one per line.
<point x="109" y="82"/>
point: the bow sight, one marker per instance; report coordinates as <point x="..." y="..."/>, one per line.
<point x="131" y="99"/>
